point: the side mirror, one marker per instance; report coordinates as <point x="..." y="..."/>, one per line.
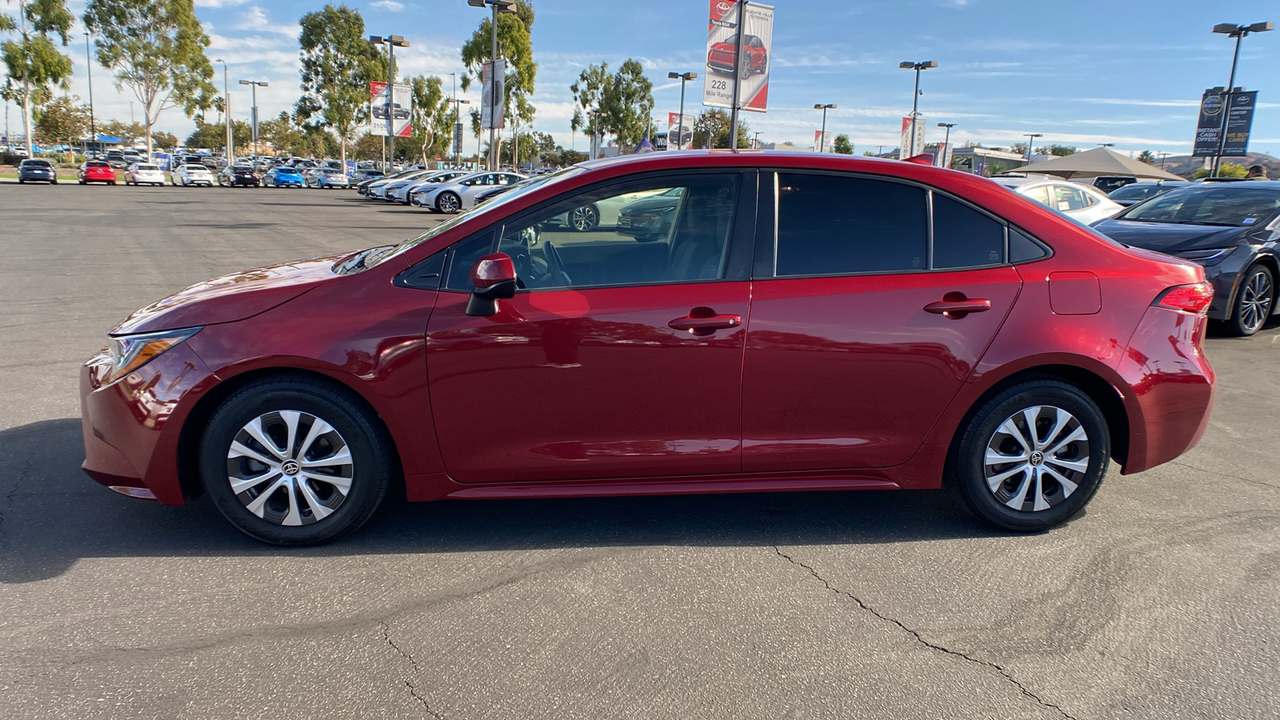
<point x="494" y="277"/>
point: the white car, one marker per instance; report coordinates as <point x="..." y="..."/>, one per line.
<point x="460" y="193"/>
<point x="143" y="173"/>
<point x="378" y="190"/>
<point x="189" y="174"/>
<point x="403" y="191"/>
<point x="1082" y="203"/>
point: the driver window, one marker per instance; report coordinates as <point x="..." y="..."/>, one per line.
<point x="660" y="232"/>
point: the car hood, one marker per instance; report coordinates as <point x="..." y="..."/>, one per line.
<point x="1168" y="237"/>
<point x="231" y="297"/>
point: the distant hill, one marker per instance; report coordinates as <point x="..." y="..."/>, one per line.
<point x="1185" y="165"/>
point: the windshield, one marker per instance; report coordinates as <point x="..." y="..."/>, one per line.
<point x="1234" y="206"/>
<point x="148" y="167"/>
<point x="1134" y="192"/>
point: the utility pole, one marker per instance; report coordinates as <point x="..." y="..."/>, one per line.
<point x="737" y="74"/>
<point x="226" y="101"/>
<point x="93" y="126"/>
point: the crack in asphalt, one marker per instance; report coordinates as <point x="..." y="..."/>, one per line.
<point x="9" y="499"/>
<point x="413" y="690"/>
<point x="1222" y="474"/>
<point x="932" y="646"/>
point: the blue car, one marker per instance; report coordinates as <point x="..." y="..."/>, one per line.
<point x="283" y="177"/>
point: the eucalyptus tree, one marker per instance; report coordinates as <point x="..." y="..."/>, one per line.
<point x="516" y="47"/>
<point x="33" y="63"/>
<point x="338" y="63"/>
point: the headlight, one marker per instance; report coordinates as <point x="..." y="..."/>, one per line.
<point x="130" y="352"/>
<point x="1207" y="257"/>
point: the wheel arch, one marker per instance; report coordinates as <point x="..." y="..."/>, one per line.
<point x="196" y="420"/>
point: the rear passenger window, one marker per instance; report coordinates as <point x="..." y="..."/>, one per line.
<point x="831" y="225"/>
<point x="964" y="237"/>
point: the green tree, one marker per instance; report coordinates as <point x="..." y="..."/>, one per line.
<point x="1147" y="157"/>
<point x="516" y="47"/>
<point x="338" y="62"/>
<point x="627" y="104"/>
<point x="33" y="64"/>
<point x="156" y="49"/>
<point x="588" y="96"/>
<point x="128" y="133"/>
<point x="165" y="140"/>
<point x="214" y="135"/>
<point x="711" y="129"/>
<point x="279" y="132"/>
<point x="1226" y="169"/>
<point x="62" y="121"/>
<point x="432" y="117"/>
<point x="368" y="147"/>
<point x="1056" y="150"/>
<point x="842" y="145"/>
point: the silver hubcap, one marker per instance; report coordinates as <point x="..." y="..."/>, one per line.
<point x="289" y="467"/>
<point x="584" y="218"/>
<point x="1036" y="458"/>
<point x="1255" y="301"/>
<point x="448" y="204"/>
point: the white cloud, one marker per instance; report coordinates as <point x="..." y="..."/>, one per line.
<point x="256" y="19"/>
<point x="389" y="5"/>
<point x="219" y="3"/>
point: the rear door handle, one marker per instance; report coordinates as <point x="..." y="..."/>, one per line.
<point x="956" y="305"/>
<point x="705" y="324"/>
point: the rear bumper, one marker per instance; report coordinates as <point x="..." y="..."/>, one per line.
<point x="132" y="426"/>
<point x="1172" y="385"/>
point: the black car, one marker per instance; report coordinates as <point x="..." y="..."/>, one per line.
<point x="37" y="170"/>
<point x="239" y="175"/>
<point x="650" y="218"/>
<point x="1134" y="193"/>
<point x="1232" y="229"/>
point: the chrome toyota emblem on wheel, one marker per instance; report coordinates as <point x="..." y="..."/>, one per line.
<point x="290" y="467"/>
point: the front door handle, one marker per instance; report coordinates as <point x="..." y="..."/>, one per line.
<point x="955" y="305"/>
<point x="704" y="321"/>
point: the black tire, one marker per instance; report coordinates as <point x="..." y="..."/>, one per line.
<point x="448" y="203"/>
<point x="371" y="462"/>
<point x="1255" y="300"/>
<point x="584" y="218"/>
<point x="968" y="464"/>
<point x="21" y="181"/>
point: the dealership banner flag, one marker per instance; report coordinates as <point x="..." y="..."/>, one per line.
<point x="723" y="67"/>
<point x="398" y="120"/>
<point x="906" y="147"/>
<point x="1239" y="122"/>
<point x="679" y="131"/>
<point x="822" y="141"/>
<point x="493" y="103"/>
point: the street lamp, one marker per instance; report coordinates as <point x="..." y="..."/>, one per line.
<point x="915" y="96"/>
<point x="755" y="140"/>
<point x="1031" y="139"/>
<point x="498" y="6"/>
<point x="946" y="143"/>
<point x="683" y="78"/>
<point x="457" y="111"/>
<point x="256" y="84"/>
<point x="392" y="42"/>
<point x="1238" y="32"/>
<point x="88" y="63"/>
<point x="822" y="136"/>
<point x="1106" y="144"/>
<point x="226" y="89"/>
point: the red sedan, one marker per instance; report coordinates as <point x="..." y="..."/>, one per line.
<point x="722" y="56"/>
<point x="97" y="171"/>
<point x="786" y="322"/>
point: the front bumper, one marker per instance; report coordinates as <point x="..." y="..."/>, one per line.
<point x="132" y="426"/>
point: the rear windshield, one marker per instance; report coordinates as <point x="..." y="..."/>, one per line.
<point x="97" y="164"/>
<point x="286" y="171"/>
<point x="1235" y="205"/>
<point x="148" y="167"/>
<point x="196" y="167"/>
<point x="36" y="163"/>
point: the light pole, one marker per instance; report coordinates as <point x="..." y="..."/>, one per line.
<point x="1106" y="144"/>
<point x="392" y="42"/>
<point x="88" y="63"/>
<point x="1031" y="139"/>
<point x="1162" y="155"/>
<point x="226" y="101"/>
<point x="755" y="140"/>
<point x="946" y="143"/>
<point x="1238" y="32"/>
<point x="457" y="110"/>
<point x="256" y="84"/>
<point x="683" y="78"/>
<point x="822" y="136"/>
<point x="498" y="6"/>
<point x="915" y="96"/>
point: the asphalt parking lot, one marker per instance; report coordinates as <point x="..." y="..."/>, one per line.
<point x="1159" y="602"/>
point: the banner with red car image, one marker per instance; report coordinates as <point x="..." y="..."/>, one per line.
<point x="679" y="131"/>
<point x="723" y="67"/>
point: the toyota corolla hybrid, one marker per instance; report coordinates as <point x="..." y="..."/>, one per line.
<point x="803" y="322"/>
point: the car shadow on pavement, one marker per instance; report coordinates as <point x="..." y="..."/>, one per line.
<point x="52" y="515"/>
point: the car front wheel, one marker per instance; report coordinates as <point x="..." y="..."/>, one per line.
<point x="584" y="218"/>
<point x="1254" y="302"/>
<point x="448" y="203"/>
<point x="295" y="461"/>
<point x="1032" y="456"/>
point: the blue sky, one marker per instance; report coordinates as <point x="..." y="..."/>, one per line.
<point x="1128" y="72"/>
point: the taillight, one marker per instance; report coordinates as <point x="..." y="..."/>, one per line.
<point x="1187" y="298"/>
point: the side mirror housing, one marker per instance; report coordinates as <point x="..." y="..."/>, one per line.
<point x="494" y="277"/>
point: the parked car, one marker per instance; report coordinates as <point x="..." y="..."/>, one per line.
<point x="721" y="58"/>
<point x="239" y="175"/>
<point x="97" y="171"/>
<point x="1081" y="202"/>
<point x="144" y="173"/>
<point x="1231" y="229"/>
<point x="1134" y="193"/>
<point x="37" y="170"/>
<point x="460" y="193"/>
<point x="650" y="218"/>
<point x="378" y="189"/>
<point x="115" y="158"/>
<point x="363" y="175"/>
<point x="282" y="176"/>
<point x="954" y="331"/>
<point x="191" y="174"/>
<point x="403" y="191"/>
<point x="326" y="178"/>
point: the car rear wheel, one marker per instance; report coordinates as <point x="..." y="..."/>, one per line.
<point x="1254" y="302"/>
<point x="292" y="461"/>
<point x="1032" y="456"/>
<point x="448" y="203"/>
